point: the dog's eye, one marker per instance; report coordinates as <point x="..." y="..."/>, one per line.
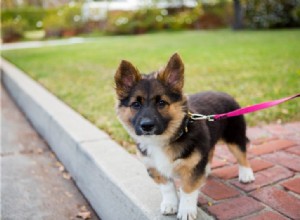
<point x="161" y="103"/>
<point x="136" y="105"/>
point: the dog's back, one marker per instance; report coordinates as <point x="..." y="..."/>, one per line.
<point x="231" y="130"/>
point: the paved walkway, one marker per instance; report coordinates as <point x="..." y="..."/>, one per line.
<point x="34" y="185"/>
<point x="275" y="157"/>
<point x="45" y="43"/>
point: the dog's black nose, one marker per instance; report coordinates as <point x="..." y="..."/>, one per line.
<point x="147" y="125"/>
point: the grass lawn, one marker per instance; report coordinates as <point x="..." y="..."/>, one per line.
<point x="253" y="66"/>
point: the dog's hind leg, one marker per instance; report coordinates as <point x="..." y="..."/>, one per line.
<point x="245" y="172"/>
<point x="236" y="139"/>
<point x="210" y="159"/>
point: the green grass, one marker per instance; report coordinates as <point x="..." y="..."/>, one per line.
<point x="253" y="66"/>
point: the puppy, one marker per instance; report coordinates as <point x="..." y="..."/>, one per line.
<point x="156" y="113"/>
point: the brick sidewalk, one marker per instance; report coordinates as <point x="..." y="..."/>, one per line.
<point x="275" y="158"/>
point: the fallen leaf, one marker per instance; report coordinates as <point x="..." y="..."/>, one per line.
<point x="66" y="175"/>
<point x="83" y="208"/>
<point x="39" y="151"/>
<point x="61" y="168"/>
<point x="58" y="164"/>
<point x="70" y="195"/>
<point x="84" y="215"/>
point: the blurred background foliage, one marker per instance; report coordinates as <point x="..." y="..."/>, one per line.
<point x="37" y="19"/>
<point x="272" y="14"/>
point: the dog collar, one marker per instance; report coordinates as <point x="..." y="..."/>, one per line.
<point x="183" y="129"/>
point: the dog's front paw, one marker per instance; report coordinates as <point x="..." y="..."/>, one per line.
<point x="188" y="205"/>
<point x="169" y="204"/>
<point x="246" y="174"/>
<point x="187" y="213"/>
<point x="168" y="207"/>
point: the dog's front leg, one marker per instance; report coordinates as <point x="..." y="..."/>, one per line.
<point x="191" y="172"/>
<point x="188" y="205"/>
<point x="169" y="204"/>
<point x="188" y="198"/>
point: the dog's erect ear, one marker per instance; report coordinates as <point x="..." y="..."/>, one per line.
<point x="125" y="78"/>
<point x="173" y="74"/>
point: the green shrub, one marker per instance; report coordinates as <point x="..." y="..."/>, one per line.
<point x="117" y="22"/>
<point x="272" y="13"/>
<point x="72" y="16"/>
<point x="33" y="17"/>
<point x="215" y="15"/>
<point x="12" y="30"/>
<point x="54" y="25"/>
<point x="296" y="14"/>
<point x="186" y="19"/>
<point x="56" y="22"/>
<point x="147" y="20"/>
<point x="63" y="21"/>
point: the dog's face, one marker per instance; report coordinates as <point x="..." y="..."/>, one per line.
<point x="151" y="104"/>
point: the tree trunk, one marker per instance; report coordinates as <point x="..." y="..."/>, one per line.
<point x="238" y="15"/>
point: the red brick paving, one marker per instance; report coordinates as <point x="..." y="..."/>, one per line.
<point x="292" y="185"/>
<point x="255" y="133"/>
<point x="218" y="191"/>
<point x="294" y="150"/>
<point x="218" y="162"/>
<point x="279" y="200"/>
<point x="236" y="207"/>
<point x="263" y="140"/>
<point x="202" y="201"/>
<point x="293" y="126"/>
<point x="227" y="172"/>
<point x="271" y="146"/>
<point x="277" y="129"/>
<point x="258" y="164"/>
<point x="266" y="216"/>
<point x="285" y="159"/>
<point x="274" y="155"/>
<point x="224" y="154"/>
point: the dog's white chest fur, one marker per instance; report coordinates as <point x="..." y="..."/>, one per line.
<point x="156" y="156"/>
<point x="161" y="162"/>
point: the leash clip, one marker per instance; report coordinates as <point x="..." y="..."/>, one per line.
<point x="201" y="117"/>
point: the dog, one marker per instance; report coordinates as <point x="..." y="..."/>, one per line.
<point x="156" y="113"/>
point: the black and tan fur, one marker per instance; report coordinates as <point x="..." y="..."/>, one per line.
<point x="154" y="107"/>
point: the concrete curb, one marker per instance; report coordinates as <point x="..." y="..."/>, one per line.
<point x="116" y="185"/>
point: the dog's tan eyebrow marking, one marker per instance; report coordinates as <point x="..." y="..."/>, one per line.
<point x="137" y="98"/>
<point x="137" y="95"/>
<point x="165" y="98"/>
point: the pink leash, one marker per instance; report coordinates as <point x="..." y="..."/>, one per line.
<point x="242" y="111"/>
